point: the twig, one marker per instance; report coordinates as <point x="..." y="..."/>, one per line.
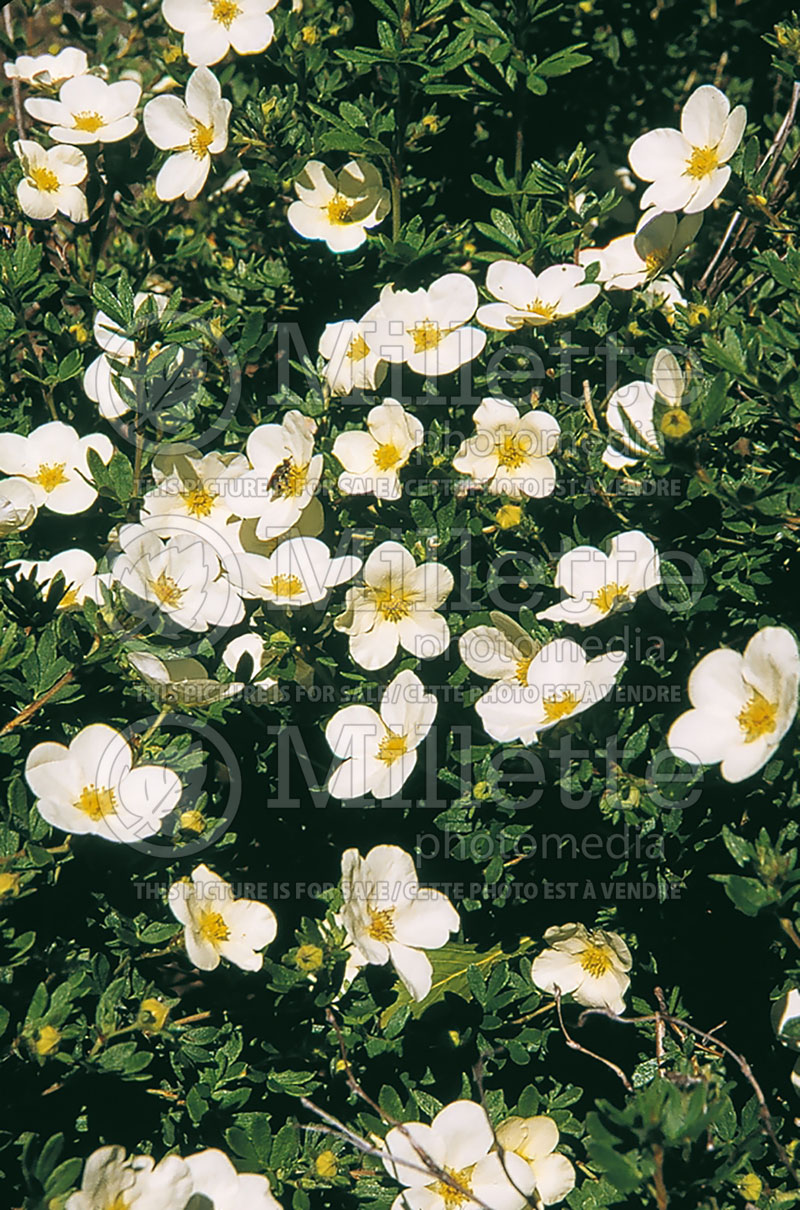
<point x="20" y="719"/>
<point x="19" y="114"/>
<point x="662" y="1198"/>
<point x="573" y="1045"/>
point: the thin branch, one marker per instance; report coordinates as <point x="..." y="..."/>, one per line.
<point x="19" y="113"/>
<point x="573" y="1045"/>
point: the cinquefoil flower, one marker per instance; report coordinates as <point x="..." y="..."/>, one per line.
<point x="48" y="71"/>
<point x="629" y="414"/>
<point x="299" y="572"/>
<point x="79" y="569"/>
<point x="743" y="705"/>
<point x="427" y="329"/>
<point x="211" y="27"/>
<point x="528" y="300"/>
<point x="535" y="1140"/>
<point x="283" y="477"/>
<point x="182" y="680"/>
<point x="596" y="584"/>
<point x="631" y="260"/>
<point x="217" y="925"/>
<point x="51" y="182"/>
<point x="99" y="380"/>
<point x="352" y="366"/>
<point x="509" y="452"/>
<point x="53" y="461"/>
<point x="195" y="129"/>
<point x="373" y="459"/>
<point x="110" y="1181"/>
<point x="217" y="1184"/>
<point x="17" y="506"/>
<point x="338" y="209"/>
<point x="89" y="110"/>
<point x="592" y="967"/>
<point x="502" y="652"/>
<point x="194" y="487"/>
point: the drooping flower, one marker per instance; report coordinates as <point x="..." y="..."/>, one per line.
<point x="299" y="572"/>
<point x="629" y="414"/>
<point x="396" y="606"/>
<point x="458" y="1145"/>
<point x="111" y="1181"/>
<point x="100" y="377"/>
<point x="182" y="680"/>
<point x="89" y="110"/>
<point x="17" y="506"/>
<point x="211" y="27"/>
<point x="389" y="917"/>
<point x="631" y="260"/>
<point x="535" y="1140"/>
<point x="502" y="652"/>
<point x="284" y="475"/>
<point x="48" y="71"/>
<point x="427" y="329"/>
<point x="664" y="294"/>
<point x="508" y="452"/>
<point x="338" y="209"/>
<point x="560" y="684"/>
<point x="597" y="584"/>
<point x="352" y="366"/>
<point x="530" y="300"/>
<point x="194" y="487"/>
<point x="591" y="966"/>
<point x="689" y="168"/>
<point x="217" y="925"/>
<point x="217" y="1184"/>
<point x="373" y="459"/>
<point x="379" y="750"/>
<point x="79" y="571"/>
<point x="51" y="184"/>
<point x="742" y="705"/>
<point x="196" y="129"/>
<point x="91" y="787"/>
<point x="53" y="461"/>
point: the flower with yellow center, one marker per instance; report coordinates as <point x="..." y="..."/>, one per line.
<point x="528" y="300"/>
<point x="373" y="459"/>
<point x="89" y="110"/>
<point x="53" y="459"/>
<point x="195" y="129"/>
<point x="112" y="1182"/>
<point x="50" y="70"/>
<point x="427" y="329"/>
<point x="508" y="453"/>
<point x="630" y="411"/>
<point x="742" y="705"/>
<point x="632" y="260"/>
<point x="199" y="487"/>
<point x="502" y="652"/>
<point x="689" y="168"/>
<point x="217" y="925"/>
<point x="591" y="966"/>
<point x="596" y="584"/>
<point x="299" y="572"/>
<point x="339" y="209"/>
<point x="535" y="1141"/>
<point x="79" y="572"/>
<point x="388" y="917"/>
<point x="211" y="28"/>
<point x="283" y="476"/>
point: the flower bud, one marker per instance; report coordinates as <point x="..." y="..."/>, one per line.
<point x="309" y="958"/>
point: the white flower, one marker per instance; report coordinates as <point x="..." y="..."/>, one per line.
<point x="17" y="506"/>
<point x="459" y="1144"/>
<point x="597" y="584"/>
<point x="427" y="329"/>
<point x="284" y="476"/>
<point x="592" y="967"/>
<point x="560" y="683"/>
<point x="379" y="751"/>
<point x="396" y="606"/>
<point x="193" y="486"/>
<point x="629" y="414"/>
<point x="743" y="705"/>
<point x="528" y="300"/>
<point x="211" y="27"/>
<point x="89" y="110"/>
<point x="48" y="71"/>
<point x="91" y="786"/>
<point x="664" y="293"/>
<point x="99" y="380"/>
<point x="373" y="459"/>
<point x="53" y="461"/>
<point x="79" y="569"/>
<point x="352" y="366"/>
<point x="688" y="168"/>
<point x="51" y="182"/>
<point x="219" y="926"/>
<point x="631" y="260"/>
<point x="217" y="1184"/>
<point x="264" y="688"/>
<point x="535" y="1140"/>
<point x="109" y="1180"/>
<point x="785" y="1013"/>
<point x="196" y="129"/>
<point x="180" y="576"/>
<point x="338" y="209"/>
<point x="510" y="452"/>
<point x="299" y="572"/>
<point x="502" y="652"/>
<point x="389" y="917"/>
<point x="181" y="680"/>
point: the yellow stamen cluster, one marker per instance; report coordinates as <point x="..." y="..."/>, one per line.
<point x="286" y="586"/>
<point x="702" y="162"/>
<point x="51" y="475"/>
<point x="44" y="179"/>
<point x="166" y="590"/>
<point x="556" y="708"/>
<point x="340" y="211"/>
<point x="392" y="747"/>
<point x="426" y="335"/>
<point x="96" y="801"/>
<point x="381" y="926"/>
<point x="225" y="11"/>
<point x="451" y="1196"/>
<point x="386" y="456"/>
<point x="358" y="349"/>
<point x="757" y="718"/>
<point x="212" y="927"/>
<point x="512" y="451"/>
<point x="201" y="139"/>
<point x="596" y="960"/>
<point x="199" y="501"/>
<point x="609" y="596"/>
<point x="393" y="606"/>
<point x="88" y="120"/>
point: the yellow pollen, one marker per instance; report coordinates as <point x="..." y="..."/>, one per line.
<point x="381" y="927"/>
<point x="212" y="927"/>
<point x="358" y="349"/>
<point x="757" y="718"/>
<point x="119" y="1203"/>
<point x="286" y="586"/>
<point x="44" y="179"/>
<point x="426" y="335"/>
<point x="610" y="595"/>
<point x="656" y="259"/>
<point x="702" y="163"/>
<point x="96" y="802"/>
<point x="450" y="1196"/>
<point x="69" y="599"/>
<point x="201" y="140"/>
<point x="521" y="673"/>
<point x="166" y="590"/>
<point x="199" y="501"/>
<point x="225" y="11"/>
<point x="386" y="456"/>
<point x="288" y="480"/>
<point x="51" y="475"/>
<point x="596" y="960"/>
<point x="88" y="120"/>
<point x="394" y="606"/>
<point x="511" y="451"/>
<point x="340" y="211"/>
<point x="543" y="310"/>
<point x="559" y="707"/>
<point x="392" y="747"/>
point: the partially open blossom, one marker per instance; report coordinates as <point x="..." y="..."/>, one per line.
<point x="629" y="414"/>
<point x="631" y="260"/>
<point x="689" y="167"/>
<point x="591" y="966"/>
<point x="373" y="459"/>
<point x="429" y="329"/>
<point x="195" y="129"/>
<point x="742" y="705"/>
<point x="211" y="27"/>
<point x="17" y="506"/>
<point x="51" y="184"/>
<point x="100" y="380"/>
<point x="53" y="461"/>
<point x="535" y="1140"/>
<point x="283" y="477"/>
<point x="508" y="452"/>
<point x="79" y="571"/>
<point x="217" y="1184"/>
<point x="110" y="1181"/>
<point x="48" y="71"/>
<point x="528" y="300"/>
<point x="217" y="925"/>
<point x="92" y="787"/>
<point x="502" y="652"/>
<point x="338" y="209"/>
<point x="379" y="750"/>
<point x="89" y="110"/>
<point x="352" y="366"/>
<point x="396" y="606"/>
<point x="183" y="680"/>
<point x="389" y="917"/>
<point x="597" y="584"/>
